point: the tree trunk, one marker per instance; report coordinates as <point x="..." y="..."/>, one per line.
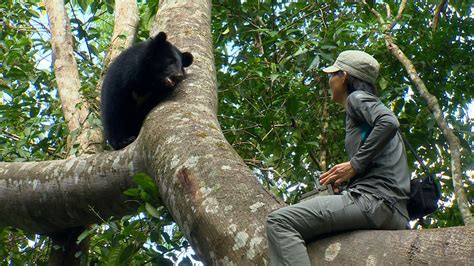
<point x="76" y="110"/>
<point x="65" y="249"/>
<point x="82" y="133"/>
<point x="220" y="206"/>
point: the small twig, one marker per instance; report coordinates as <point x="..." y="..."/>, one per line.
<point x="377" y="14"/>
<point x="41" y="24"/>
<point x="241" y="129"/>
<point x="388" y="26"/>
<point x="403" y="4"/>
<point x="16" y="138"/>
<point x="91" y="208"/>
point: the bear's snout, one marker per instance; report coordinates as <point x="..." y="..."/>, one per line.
<point x="169" y="82"/>
<point x="178" y="77"/>
<point x="172" y="80"/>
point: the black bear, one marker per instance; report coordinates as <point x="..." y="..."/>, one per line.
<point x="138" y="79"/>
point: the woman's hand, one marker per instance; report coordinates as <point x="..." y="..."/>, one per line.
<point x="338" y="174"/>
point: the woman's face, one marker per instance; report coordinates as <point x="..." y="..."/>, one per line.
<point x="338" y="85"/>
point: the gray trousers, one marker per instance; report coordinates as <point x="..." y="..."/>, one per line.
<point x="289" y="228"/>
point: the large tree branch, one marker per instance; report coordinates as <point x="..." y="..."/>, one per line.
<point x="433" y="105"/>
<point x="76" y="111"/>
<point x="46" y="197"/>
<point x="441" y="246"/>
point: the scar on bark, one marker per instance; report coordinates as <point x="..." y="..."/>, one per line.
<point x="187" y="180"/>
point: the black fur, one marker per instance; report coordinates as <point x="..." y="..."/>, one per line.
<point x="137" y="80"/>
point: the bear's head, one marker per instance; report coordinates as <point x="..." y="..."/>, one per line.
<point x="168" y="62"/>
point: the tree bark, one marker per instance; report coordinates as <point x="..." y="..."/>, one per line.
<point x="433" y="106"/>
<point x="76" y="111"/>
<point x="51" y="196"/>
<point x="442" y="246"/>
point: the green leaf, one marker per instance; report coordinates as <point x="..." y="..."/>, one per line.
<point x="314" y="64"/>
<point x="126" y="254"/>
<point x="84" y="235"/>
<point x="113" y="257"/>
<point x="155" y="236"/>
<point x="152" y="210"/>
<point x="83" y="4"/>
<point x="274" y="77"/>
<point x="383" y="83"/>
<point x="147" y="184"/>
<point x="313" y="143"/>
<point x="186" y="261"/>
<point x="133" y="192"/>
<point x="292" y="105"/>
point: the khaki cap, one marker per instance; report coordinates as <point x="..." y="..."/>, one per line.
<point x="357" y="64"/>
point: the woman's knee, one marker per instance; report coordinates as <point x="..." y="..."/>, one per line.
<point x="275" y="217"/>
<point x="279" y="220"/>
<point x="273" y="224"/>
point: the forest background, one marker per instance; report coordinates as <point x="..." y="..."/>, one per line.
<point x="274" y="105"/>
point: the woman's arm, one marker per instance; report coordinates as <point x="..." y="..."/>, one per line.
<point x="364" y="107"/>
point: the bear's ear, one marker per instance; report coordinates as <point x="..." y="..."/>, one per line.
<point x="186" y="59"/>
<point x="160" y="38"/>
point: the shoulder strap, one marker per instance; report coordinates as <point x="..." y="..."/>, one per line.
<point x="415" y="153"/>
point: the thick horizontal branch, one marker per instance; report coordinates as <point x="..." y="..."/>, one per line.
<point x="440" y="246"/>
<point x="44" y="197"/>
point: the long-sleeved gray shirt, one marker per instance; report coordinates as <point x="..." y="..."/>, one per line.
<point x="375" y="149"/>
